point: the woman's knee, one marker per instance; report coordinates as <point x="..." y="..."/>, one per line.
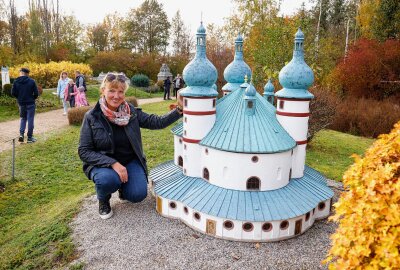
<point x="135" y="195"/>
<point x="106" y="178"/>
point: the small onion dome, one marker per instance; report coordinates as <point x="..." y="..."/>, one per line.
<point x="269" y="87"/>
<point x="250" y="92"/>
<point x="200" y="74"/>
<point x="201" y="29"/>
<point x="237" y="69"/>
<point x="296" y="77"/>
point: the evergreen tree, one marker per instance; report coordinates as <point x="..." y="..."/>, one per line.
<point x="147" y="28"/>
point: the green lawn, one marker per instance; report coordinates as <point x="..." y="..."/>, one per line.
<point x="330" y="152"/>
<point x="48" y="101"/>
<point x="35" y="210"/>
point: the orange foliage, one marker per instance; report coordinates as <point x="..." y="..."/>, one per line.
<point x="368" y="212"/>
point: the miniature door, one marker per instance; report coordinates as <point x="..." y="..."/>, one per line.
<point x="297" y="227"/>
<point x="211" y="226"/>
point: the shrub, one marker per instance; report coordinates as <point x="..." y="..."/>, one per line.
<point x="160" y="84"/>
<point x="75" y="115"/>
<point x="368" y="212"/>
<point x="119" y="61"/>
<point x="322" y="109"/>
<point x="7" y="101"/>
<point x="132" y="100"/>
<point x="140" y="80"/>
<point x="366" y="117"/>
<point x="48" y="74"/>
<point x="7" y="89"/>
<point x="368" y="66"/>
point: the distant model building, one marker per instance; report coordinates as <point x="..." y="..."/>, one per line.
<point x="164" y="73"/>
<point x="239" y="168"/>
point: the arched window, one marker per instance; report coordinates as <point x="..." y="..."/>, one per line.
<point x="180" y="161"/>
<point x="250" y="104"/>
<point x="206" y="174"/>
<point x="253" y="183"/>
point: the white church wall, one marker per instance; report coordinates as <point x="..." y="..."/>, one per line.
<point x="298" y="161"/>
<point x="297" y="127"/>
<point x="178" y="146"/>
<point x="191" y="159"/>
<point x="196" y="127"/>
<point x="199" y="104"/>
<point x="294" y="106"/>
<point x="238" y="232"/>
<point x="231" y="170"/>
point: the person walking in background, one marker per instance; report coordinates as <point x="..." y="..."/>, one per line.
<point x="70" y="92"/>
<point x="178" y="84"/>
<point x="167" y="88"/>
<point x="110" y="144"/>
<point x="62" y="83"/>
<point x="26" y="92"/>
<point x="80" y="80"/>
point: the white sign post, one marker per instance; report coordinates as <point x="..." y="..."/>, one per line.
<point x="5" y="76"/>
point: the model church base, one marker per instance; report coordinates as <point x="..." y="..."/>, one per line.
<point x="259" y="216"/>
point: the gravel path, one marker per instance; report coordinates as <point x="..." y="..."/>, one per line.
<point x="136" y="237"/>
<point x="45" y="123"/>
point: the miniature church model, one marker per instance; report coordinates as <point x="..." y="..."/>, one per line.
<point x="239" y="168"/>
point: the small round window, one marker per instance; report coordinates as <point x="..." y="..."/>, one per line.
<point x="186" y="210"/>
<point x="284" y="225"/>
<point x="254" y="159"/>
<point x="206" y="151"/>
<point x="172" y="205"/>
<point x="197" y="216"/>
<point x="247" y="227"/>
<point x="266" y="227"/>
<point x="321" y="206"/>
<point x="228" y="225"/>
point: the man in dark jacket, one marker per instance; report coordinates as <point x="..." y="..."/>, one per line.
<point x="25" y="90"/>
<point x="80" y="80"/>
<point x="167" y="88"/>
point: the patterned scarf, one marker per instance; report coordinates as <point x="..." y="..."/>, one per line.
<point x="120" y="117"/>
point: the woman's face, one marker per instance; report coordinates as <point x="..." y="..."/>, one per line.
<point x="114" y="95"/>
<point x="64" y="76"/>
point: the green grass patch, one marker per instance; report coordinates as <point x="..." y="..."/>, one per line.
<point x="330" y="152"/>
<point x="37" y="207"/>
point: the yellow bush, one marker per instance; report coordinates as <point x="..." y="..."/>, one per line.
<point x="48" y="74"/>
<point x="368" y="212"/>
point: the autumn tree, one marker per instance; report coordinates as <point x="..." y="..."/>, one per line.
<point x="97" y="35"/>
<point x="147" y="28"/>
<point x="387" y="20"/>
<point x="182" y="40"/>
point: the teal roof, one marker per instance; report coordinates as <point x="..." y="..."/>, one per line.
<point x="234" y="131"/>
<point x="297" y="198"/>
<point x="178" y="129"/>
<point x="200" y="74"/>
<point x="234" y="73"/>
<point x="296" y="77"/>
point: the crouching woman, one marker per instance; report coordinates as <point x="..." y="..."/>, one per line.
<point x="110" y="144"/>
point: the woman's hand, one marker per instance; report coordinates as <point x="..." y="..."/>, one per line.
<point x="180" y="100"/>
<point x="121" y="170"/>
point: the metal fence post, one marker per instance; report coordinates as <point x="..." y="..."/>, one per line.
<point x="13" y="159"/>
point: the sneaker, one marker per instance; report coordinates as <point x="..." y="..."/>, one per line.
<point x="31" y="140"/>
<point x="105" y="210"/>
<point x="121" y="196"/>
<point x="64" y="113"/>
<point x="21" y="138"/>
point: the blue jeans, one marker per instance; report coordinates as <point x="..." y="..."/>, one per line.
<point x="107" y="181"/>
<point x="27" y="113"/>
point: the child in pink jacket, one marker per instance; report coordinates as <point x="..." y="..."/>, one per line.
<point x="70" y="93"/>
<point x="81" y="97"/>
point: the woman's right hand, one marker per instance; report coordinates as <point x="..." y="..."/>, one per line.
<point x="121" y="170"/>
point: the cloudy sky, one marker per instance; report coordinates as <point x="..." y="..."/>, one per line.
<point x="213" y="11"/>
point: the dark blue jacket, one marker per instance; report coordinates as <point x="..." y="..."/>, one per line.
<point x="96" y="141"/>
<point x="25" y="90"/>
